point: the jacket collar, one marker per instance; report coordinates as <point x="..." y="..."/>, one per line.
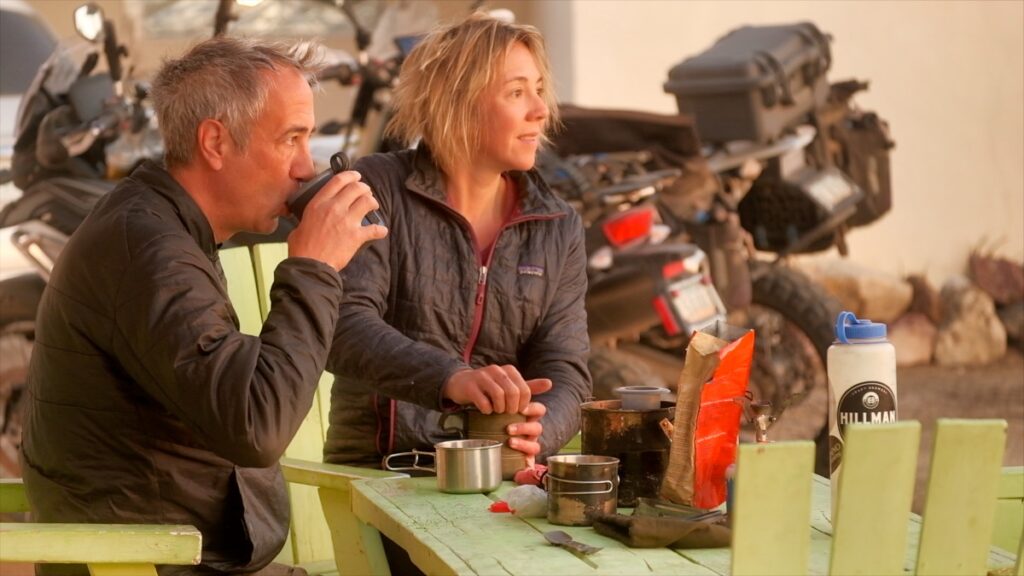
<point x="535" y="198"/>
<point x="155" y="176"/>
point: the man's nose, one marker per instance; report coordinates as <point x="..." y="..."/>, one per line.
<point x="303" y="167"/>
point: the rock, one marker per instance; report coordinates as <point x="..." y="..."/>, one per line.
<point x="970" y="333"/>
<point x="1012" y="317"/>
<point x="1000" y="278"/>
<point x="926" y="298"/>
<point x="913" y="335"/>
<point x="871" y="294"/>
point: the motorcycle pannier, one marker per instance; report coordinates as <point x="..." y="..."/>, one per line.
<point x="753" y="82"/>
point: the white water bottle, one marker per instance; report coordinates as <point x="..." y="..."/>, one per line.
<point x="862" y="383"/>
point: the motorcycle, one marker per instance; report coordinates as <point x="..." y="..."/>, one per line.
<point x="78" y="131"/>
<point x="799" y="191"/>
<point x="642" y="309"/>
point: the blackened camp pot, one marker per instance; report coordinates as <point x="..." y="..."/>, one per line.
<point x="462" y="466"/>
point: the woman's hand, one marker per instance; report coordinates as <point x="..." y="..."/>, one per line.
<point x="493" y="389"/>
<point x="525" y="437"/>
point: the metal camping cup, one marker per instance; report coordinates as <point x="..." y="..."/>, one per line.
<point x="580" y="485"/>
<point x="462" y="466"/>
<point x="641" y="397"/>
<point x="479" y="426"/>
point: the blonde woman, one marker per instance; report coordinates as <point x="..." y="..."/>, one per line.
<point x="476" y="296"/>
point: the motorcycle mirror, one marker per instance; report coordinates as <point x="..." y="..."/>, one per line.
<point x="225" y="13"/>
<point x="503" y="14"/>
<point x="89" y="21"/>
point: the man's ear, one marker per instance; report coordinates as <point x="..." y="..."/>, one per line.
<point x="214" y="142"/>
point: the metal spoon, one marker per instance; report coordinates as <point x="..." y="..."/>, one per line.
<point x="560" y="538"/>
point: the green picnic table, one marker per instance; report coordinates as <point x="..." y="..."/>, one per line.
<point x="457" y="534"/>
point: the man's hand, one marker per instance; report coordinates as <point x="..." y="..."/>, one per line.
<point x="526" y="436"/>
<point x="331" y="229"/>
<point x="493" y="389"/>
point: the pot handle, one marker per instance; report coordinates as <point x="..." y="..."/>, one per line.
<point x="610" y="486"/>
<point x="386" y="463"/>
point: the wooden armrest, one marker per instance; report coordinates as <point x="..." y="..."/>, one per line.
<point x="100" y="543"/>
<point x="1011" y="483"/>
<point x="329" y="475"/>
<point x="12" y="496"/>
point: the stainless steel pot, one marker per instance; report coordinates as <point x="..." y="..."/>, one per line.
<point x="580" y="485"/>
<point x="462" y="466"/>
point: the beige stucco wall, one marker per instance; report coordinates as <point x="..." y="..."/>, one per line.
<point x="948" y="76"/>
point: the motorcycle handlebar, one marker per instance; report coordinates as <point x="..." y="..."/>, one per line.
<point x="79" y="141"/>
<point x="636" y="188"/>
<point x="344" y="73"/>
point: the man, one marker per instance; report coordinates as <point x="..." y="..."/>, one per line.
<point x="146" y="404"/>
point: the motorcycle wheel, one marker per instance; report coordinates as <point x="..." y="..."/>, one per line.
<point x="793" y="319"/>
<point x="19" y="298"/>
<point x="611" y="369"/>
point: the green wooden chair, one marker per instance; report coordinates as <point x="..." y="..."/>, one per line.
<point x="1009" y="523"/>
<point x="874" y="496"/>
<point x="872" y="510"/>
<point x="770" y="507"/>
<point x="960" y="504"/>
<point x="107" y="549"/>
<point x="325" y="536"/>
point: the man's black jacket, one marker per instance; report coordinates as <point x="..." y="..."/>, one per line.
<point x="146" y="404"/>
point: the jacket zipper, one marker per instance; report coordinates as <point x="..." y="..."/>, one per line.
<point x="478" y="306"/>
<point x="481" y="284"/>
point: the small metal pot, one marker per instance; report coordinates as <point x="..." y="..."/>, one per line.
<point x="462" y="466"/>
<point x="580" y="485"/>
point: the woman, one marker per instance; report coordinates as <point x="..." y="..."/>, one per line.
<point x="476" y="295"/>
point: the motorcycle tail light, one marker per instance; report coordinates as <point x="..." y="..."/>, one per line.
<point x="629" y="226"/>
<point x="668" y="320"/>
<point x="692" y="264"/>
<point x="673" y="269"/>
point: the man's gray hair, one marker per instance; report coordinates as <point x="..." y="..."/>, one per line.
<point x="222" y="79"/>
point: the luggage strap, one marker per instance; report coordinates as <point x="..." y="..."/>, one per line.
<point x="816" y="37"/>
<point x="768" y="62"/>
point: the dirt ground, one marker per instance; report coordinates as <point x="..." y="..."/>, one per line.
<point x="996" y="390"/>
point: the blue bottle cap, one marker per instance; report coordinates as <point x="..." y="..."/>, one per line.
<point x="848" y="327"/>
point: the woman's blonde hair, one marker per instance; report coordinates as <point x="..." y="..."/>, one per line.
<point x="445" y="76"/>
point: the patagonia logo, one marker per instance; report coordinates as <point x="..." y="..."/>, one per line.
<point x="531" y="270"/>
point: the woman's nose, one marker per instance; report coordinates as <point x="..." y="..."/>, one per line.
<point x="539" y="110"/>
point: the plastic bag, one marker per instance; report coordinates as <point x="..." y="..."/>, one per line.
<point x="528" y="501"/>
<point x="707" y="421"/>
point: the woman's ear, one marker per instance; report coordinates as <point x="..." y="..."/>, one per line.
<point x="214" y="142"/>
